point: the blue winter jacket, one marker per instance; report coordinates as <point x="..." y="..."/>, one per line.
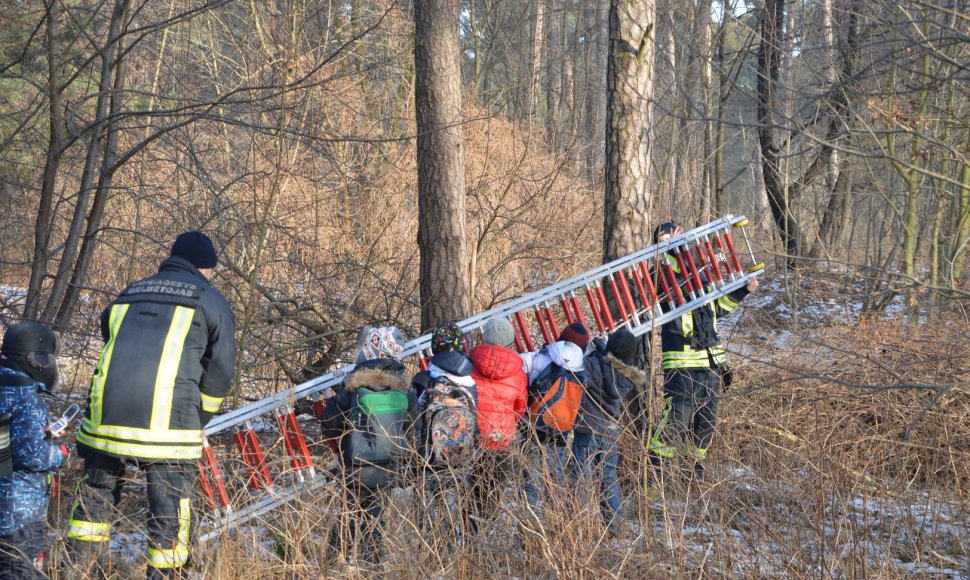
<point x="24" y="493"/>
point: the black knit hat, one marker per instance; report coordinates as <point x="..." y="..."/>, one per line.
<point x="197" y="248"/>
<point x="623" y="345"/>
<point x="664" y="228"/>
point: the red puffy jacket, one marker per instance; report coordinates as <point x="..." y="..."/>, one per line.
<point x="501" y="385"/>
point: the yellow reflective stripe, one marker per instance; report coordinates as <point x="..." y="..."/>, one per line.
<point x="698" y="453"/>
<point x="661" y="449"/>
<point x="189" y="436"/>
<point x="88" y="531"/>
<point x="179" y="555"/>
<point x="687" y="321"/>
<point x="727" y="303"/>
<point x="211" y="404"/>
<point x="143" y="451"/>
<point x="118" y="312"/>
<point x="168" y="367"/>
<point x="672" y="262"/>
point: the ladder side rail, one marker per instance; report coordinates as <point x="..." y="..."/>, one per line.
<point x="333" y="378"/>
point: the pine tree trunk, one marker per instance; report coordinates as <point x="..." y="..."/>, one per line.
<point x="628" y="205"/>
<point x="441" y="181"/>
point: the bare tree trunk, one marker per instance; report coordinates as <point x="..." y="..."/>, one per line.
<point x="628" y="205"/>
<point x="769" y="59"/>
<point x="111" y="75"/>
<point x="441" y="180"/>
<point x="537" y="51"/>
<point x="594" y="102"/>
<point x="553" y="68"/>
<point x="42" y="226"/>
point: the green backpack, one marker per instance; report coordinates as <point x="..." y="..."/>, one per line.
<point x="377" y="423"/>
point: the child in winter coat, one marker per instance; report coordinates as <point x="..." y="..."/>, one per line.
<point x="28" y="365"/>
<point x="610" y="378"/>
<point x="446" y="337"/>
<point x="502" y="395"/>
<point x="567" y="352"/>
<point x="366" y="423"/>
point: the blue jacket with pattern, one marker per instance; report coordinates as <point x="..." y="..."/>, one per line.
<point x="24" y="493"/>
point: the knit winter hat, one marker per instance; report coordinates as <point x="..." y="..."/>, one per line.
<point x="623" y="345"/>
<point x="379" y="342"/>
<point x="446" y="337"/>
<point x="664" y="228"/>
<point x="197" y="248"/>
<point x="498" y="331"/>
<point x="577" y="334"/>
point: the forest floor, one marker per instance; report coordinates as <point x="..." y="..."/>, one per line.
<point x="843" y="451"/>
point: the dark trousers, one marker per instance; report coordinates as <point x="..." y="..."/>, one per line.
<point x="22" y="553"/>
<point x="690" y="413"/>
<point x="361" y="523"/>
<point x="170" y="487"/>
<point x="593" y="468"/>
<point x="492" y="470"/>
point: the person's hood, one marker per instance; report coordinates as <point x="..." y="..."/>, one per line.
<point x="15" y="380"/>
<point x="634" y="374"/>
<point x="378" y="372"/>
<point x="567" y="355"/>
<point x="466" y="381"/>
<point x="495" y="362"/>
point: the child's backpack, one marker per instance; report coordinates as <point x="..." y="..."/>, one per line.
<point x="555" y="397"/>
<point x="450" y="424"/>
<point x="377" y="421"/>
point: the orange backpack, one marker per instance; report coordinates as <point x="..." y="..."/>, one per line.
<point x="555" y="398"/>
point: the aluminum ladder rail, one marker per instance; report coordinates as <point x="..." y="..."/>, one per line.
<point x="646" y="292"/>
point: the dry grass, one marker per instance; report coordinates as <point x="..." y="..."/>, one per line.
<point x="842" y="452"/>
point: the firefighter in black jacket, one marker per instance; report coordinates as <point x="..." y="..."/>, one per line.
<point x="694" y="364"/>
<point x="166" y="365"/>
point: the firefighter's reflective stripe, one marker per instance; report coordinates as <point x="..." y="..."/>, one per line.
<point x="169" y="366"/>
<point x="656" y="445"/>
<point x="178" y="555"/>
<point x="689" y="358"/>
<point x="726" y="303"/>
<point x="130" y="449"/>
<point x="211" y="404"/>
<point x="186" y="436"/>
<point x="698" y="453"/>
<point x="117" y="315"/>
<point x="88" y="531"/>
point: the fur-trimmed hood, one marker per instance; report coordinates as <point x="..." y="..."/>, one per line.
<point x="634" y="374"/>
<point x="381" y="372"/>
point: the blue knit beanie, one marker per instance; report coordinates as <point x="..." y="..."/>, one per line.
<point x="197" y="248"/>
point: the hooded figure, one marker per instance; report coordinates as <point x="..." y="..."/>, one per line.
<point x="366" y="423"/>
<point x="28" y="366"/>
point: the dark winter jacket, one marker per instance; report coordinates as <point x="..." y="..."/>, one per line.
<point x="502" y="391"/>
<point x="691" y="341"/>
<point x="608" y="382"/>
<point x="166" y="365"/>
<point x="380" y="374"/>
<point x="25" y="492"/>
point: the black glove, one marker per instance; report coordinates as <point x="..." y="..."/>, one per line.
<point x="727" y="376"/>
<point x="205" y="417"/>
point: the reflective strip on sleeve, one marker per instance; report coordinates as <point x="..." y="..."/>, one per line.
<point x="88" y="531"/>
<point x="211" y="404"/>
<point x="177" y="556"/>
<point x="118" y="312"/>
<point x="726" y="303"/>
<point x="168" y="367"/>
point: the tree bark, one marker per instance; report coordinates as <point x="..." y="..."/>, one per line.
<point x="444" y="276"/>
<point x="628" y="204"/>
<point x="595" y="97"/>
<point x="769" y="60"/>
<point x="42" y="226"/>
